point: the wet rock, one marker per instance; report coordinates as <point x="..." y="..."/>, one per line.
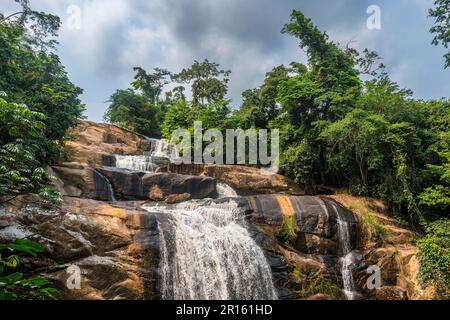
<point x="176" y="198"/>
<point x="115" y="248"/>
<point x="132" y="185"/>
<point x="91" y="142"/>
<point x="245" y="180"/>
<point x="315" y="220"/>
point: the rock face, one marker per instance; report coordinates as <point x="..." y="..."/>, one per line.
<point x="133" y="185"/>
<point x="396" y="256"/>
<point x="116" y="248"/>
<point x="81" y="180"/>
<point x="308" y="265"/>
<point x="93" y="143"/>
<point x="315" y="218"/>
<point x="245" y="180"/>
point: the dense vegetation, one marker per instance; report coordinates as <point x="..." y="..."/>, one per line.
<point x="38" y="103"/>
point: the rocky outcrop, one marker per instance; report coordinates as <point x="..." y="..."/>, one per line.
<point x="307" y="267"/>
<point x="392" y="250"/>
<point x="245" y="180"/>
<point x="93" y="143"/>
<point x="80" y="180"/>
<point x="134" y="185"/>
<point x="315" y="220"/>
<point x="116" y="248"/>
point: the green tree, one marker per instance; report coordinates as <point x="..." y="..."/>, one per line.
<point x="21" y="134"/>
<point x="38" y="79"/>
<point x="178" y="116"/>
<point x="356" y="141"/>
<point x="209" y="83"/>
<point x="150" y="85"/>
<point x="133" y="111"/>
<point x="441" y="28"/>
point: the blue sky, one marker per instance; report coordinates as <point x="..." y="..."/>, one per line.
<point x="243" y="36"/>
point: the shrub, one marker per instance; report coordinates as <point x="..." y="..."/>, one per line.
<point x="313" y="283"/>
<point x="377" y="232"/>
<point x="434" y="255"/>
<point x="288" y="231"/>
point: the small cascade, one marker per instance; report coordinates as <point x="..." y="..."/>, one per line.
<point x="348" y="256"/>
<point x="159" y="154"/>
<point x="103" y="188"/>
<point x="137" y="163"/>
<point x="225" y="191"/>
<point x="209" y="254"/>
<point x="160" y="148"/>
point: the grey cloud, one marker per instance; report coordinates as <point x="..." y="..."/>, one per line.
<point x="241" y="35"/>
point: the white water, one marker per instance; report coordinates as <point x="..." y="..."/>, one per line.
<point x="137" y="163"/>
<point x="347" y="258"/>
<point x="160" y="148"/>
<point x="211" y="255"/>
<point x="225" y="191"/>
<point x="111" y="194"/>
<point x="146" y="163"/>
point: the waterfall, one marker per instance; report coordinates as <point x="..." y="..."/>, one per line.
<point x="225" y="191"/>
<point x="160" y="148"/>
<point x="137" y="163"/>
<point x="211" y="255"/>
<point x="347" y="258"/>
<point x="146" y="162"/>
<point x="103" y="188"/>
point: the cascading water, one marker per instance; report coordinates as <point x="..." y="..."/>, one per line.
<point x="225" y="191"/>
<point x="211" y="255"/>
<point x="347" y="258"/>
<point x="160" y="149"/>
<point x="103" y="188"/>
<point x="137" y="163"/>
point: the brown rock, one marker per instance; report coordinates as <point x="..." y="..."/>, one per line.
<point x="92" y="142"/>
<point x="245" y="180"/>
<point x="115" y="248"/>
<point x="177" y="198"/>
<point x="156" y="194"/>
<point x="391" y="293"/>
<point x="80" y="180"/>
<point x="131" y="185"/>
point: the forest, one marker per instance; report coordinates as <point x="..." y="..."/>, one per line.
<point x="345" y="127"/>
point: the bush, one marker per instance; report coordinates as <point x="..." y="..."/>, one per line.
<point x="377" y="232"/>
<point x="434" y="255"/>
<point x="313" y="283"/>
<point x="288" y="231"/>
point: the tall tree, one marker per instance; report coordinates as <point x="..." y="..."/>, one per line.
<point x="209" y="82"/>
<point x="441" y="28"/>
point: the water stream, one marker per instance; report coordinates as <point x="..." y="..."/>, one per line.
<point x="347" y="259"/>
<point x="211" y="255"/>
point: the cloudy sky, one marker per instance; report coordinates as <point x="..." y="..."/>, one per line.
<point x="244" y="36"/>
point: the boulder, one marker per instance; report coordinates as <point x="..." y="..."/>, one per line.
<point x="176" y="198"/>
<point x="134" y="185"/>
<point x="115" y="248"/>
<point x="399" y="268"/>
<point x="245" y="180"/>
<point x="93" y="143"/>
<point x="391" y="293"/>
<point x="80" y="180"/>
